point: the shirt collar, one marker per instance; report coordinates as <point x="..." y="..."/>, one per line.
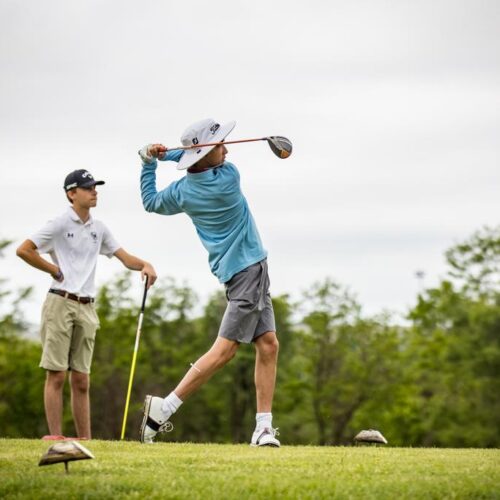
<point x="75" y="218"/>
<point x="205" y="174"/>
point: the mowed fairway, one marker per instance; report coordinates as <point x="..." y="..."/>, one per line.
<point x="164" y="470"/>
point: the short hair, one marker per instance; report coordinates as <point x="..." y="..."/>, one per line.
<point x="69" y="199"/>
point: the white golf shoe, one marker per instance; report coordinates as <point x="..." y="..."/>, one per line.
<point x="265" y="437"/>
<point x="155" y="419"/>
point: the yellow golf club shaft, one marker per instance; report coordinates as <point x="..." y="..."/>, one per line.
<point x="134" y="359"/>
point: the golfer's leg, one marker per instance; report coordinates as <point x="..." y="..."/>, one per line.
<point x="266" y="359"/>
<point x="82" y="347"/>
<point x="53" y="400"/>
<point x="222" y="351"/>
<point x="80" y="404"/>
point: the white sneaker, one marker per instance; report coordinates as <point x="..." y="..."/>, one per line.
<point x="265" y="437"/>
<point x="155" y="419"/>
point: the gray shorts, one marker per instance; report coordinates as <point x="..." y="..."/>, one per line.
<point x="249" y="312"/>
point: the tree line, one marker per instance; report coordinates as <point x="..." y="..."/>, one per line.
<point x="432" y="381"/>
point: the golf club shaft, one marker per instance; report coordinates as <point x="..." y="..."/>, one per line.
<point x="196" y="146"/>
<point x="134" y="359"/>
<point x="132" y="371"/>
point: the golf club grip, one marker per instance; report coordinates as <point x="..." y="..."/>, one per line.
<point x="145" y="293"/>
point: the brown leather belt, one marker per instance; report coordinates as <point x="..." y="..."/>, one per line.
<point x="72" y="296"/>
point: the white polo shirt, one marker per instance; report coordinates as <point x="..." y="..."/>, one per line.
<point x="74" y="246"/>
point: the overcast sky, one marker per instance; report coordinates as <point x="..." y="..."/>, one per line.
<point x="392" y="106"/>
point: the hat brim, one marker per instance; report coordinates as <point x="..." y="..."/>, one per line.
<point x="91" y="183"/>
<point x="191" y="156"/>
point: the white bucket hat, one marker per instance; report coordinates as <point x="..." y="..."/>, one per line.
<point x="202" y="132"/>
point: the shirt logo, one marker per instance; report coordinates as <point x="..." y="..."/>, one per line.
<point x="94" y="235"/>
<point x="69" y="235"/>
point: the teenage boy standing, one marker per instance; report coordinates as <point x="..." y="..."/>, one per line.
<point x="73" y="240"/>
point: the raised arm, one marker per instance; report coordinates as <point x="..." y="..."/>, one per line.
<point x="161" y="202"/>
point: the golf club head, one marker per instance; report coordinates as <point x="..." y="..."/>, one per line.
<point x="280" y="146"/>
<point x="65" y="452"/>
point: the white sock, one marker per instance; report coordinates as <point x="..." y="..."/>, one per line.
<point x="263" y="420"/>
<point x="171" y="404"/>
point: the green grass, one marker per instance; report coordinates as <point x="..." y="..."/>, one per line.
<point x="170" y="470"/>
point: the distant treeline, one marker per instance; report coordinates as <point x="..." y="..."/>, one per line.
<point x="433" y="382"/>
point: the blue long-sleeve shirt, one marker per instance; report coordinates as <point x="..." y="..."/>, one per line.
<point x="219" y="211"/>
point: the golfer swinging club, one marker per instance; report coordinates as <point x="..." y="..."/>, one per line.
<point x="210" y="195"/>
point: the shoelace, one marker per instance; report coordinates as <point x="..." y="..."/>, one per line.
<point x="166" y="427"/>
<point x="270" y="430"/>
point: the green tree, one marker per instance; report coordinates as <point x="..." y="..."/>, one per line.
<point x="352" y="363"/>
<point x="21" y="381"/>
<point x="456" y="350"/>
<point x="475" y="263"/>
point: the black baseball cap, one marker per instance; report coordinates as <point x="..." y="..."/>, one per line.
<point x="80" y="179"/>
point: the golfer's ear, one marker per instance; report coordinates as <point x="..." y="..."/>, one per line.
<point x="70" y="194"/>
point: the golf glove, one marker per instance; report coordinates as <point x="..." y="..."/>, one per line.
<point x="145" y="155"/>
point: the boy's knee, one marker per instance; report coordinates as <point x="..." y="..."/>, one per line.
<point x="229" y="353"/>
<point x="269" y="346"/>
<point x="226" y="354"/>
<point x="273" y="347"/>
<point x="80" y="382"/>
<point x="55" y="380"/>
<point x="222" y="352"/>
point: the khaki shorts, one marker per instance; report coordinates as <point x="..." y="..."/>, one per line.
<point x="68" y="333"/>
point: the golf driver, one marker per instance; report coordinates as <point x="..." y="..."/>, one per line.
<point x="280" y="146"/>
<point x="134" y="358"/>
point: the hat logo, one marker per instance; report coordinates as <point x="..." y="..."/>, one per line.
<point x="87" y="174"/>
<point x="195" y="140"/>
<point x="214" y="128"/>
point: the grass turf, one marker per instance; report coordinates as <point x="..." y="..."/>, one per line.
<point x="173" y="470"/>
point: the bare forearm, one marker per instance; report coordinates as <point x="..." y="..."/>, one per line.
<point x="134" y="263"/>
<point x="33" y="258"/>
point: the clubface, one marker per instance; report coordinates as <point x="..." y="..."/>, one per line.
<point x="281" y="146"/>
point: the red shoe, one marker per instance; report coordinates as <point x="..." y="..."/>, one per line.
<point x="53" y="437"/>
